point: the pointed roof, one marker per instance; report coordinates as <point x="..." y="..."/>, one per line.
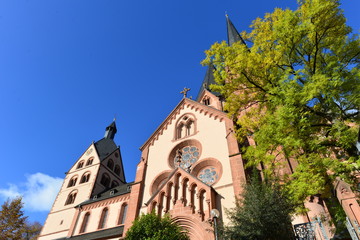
<point x="232" y="34"/>
<point x="208" y="80"/>
<point x="106" y="145"/>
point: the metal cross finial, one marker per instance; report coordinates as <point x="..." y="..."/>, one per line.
<point x="185" y="91"/>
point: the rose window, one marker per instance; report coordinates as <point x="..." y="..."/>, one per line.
<point x="186" y="156"/>
<point x="208" y="175"/>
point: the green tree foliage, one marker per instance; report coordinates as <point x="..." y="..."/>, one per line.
<point x="262" y="213"/>
<point x="152" y="227"/>
<point x="12" y="220"/>
<point x="295" y="89"/>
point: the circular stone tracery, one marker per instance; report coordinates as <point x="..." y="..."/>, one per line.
<point x="186" y="156"/>
<point x="208" y="175"/>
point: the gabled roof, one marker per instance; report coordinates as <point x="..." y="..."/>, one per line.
<point x="214" y="113"/>
<point x="232" y="34"/>
<point x="208" y="80"/>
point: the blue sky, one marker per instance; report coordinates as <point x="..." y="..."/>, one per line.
<point x="67" y="67"/>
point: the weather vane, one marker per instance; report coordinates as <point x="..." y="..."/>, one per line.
<point x="184" y="92"/>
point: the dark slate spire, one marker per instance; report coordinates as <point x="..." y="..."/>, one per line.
<point x="110" y="131"/>
<point x="232" y="33"/>
<point x="208" y="80"/>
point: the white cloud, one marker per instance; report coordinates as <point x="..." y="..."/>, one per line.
<point x="38" y="192"/>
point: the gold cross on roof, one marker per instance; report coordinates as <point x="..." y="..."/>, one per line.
<point x="184" y="92"/>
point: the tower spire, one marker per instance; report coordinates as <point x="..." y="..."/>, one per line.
<point x="208" y="80"/>
<point x="110" y="130"/>
<point x="232" y="34"/>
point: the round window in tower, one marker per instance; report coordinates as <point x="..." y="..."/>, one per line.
<point x="186" y="156"/>
<point x="208" y="175"/>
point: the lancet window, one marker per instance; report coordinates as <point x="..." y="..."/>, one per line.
<point x="103" y="218"/>
<point x="85" y="222"/>
<point x="122" y="215"/>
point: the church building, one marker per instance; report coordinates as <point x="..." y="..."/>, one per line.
<point x="189" y="166"/>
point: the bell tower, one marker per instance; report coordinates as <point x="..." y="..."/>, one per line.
<point x="98" y="169"/>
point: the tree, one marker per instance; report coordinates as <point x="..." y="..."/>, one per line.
<point x="32" y="230"/>
<point x="294" y="87"/>
<point x="152" y="227"/>
<point x="262" y="213"/>
<point x="12" y="220"/>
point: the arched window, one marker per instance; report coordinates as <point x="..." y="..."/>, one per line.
<point x="80" y="164"/>
<point x="85" y="177"/>
<point x="85" y="223"/>
<point x="185" y="126"/>
<point x="110" y="164"/>
<point x="103" y="218"/>
<point x="89" y="161"/>
<point x="105" y="180"/>
<point x="122" y="215"/>
<point x="71" y="198"/>
<point x="114" y="184"/>
<point x="72" y="181"/>
<point x="206" y="101"/>
<point x="117" y="169"/>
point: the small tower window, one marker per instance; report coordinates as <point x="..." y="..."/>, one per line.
<point x="117" y="169"/>
<point x="85" y="222"/>
<point x="206" y="101"/>
<point x="105" y="180"/>
<point x="110" y="164"/>
<point x="85" y="177"/>
<point x="122" y="215"/>
<point x="71" y="198"/>
<point x="80" y="164"/>
<point x="89" y="161"/>
<point x="103" y="218"/>
<point x="72" y="181"/>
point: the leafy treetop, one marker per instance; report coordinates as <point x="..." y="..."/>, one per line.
<point x="295" y="89"/>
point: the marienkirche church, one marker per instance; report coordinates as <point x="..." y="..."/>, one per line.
<point x="189" y="166"/>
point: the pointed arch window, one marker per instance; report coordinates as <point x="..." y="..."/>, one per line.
<point x="71" y="198"/>
<point x="117" y="169"/>
<point x="85" y="177"/>
<point x="72" y="181"/>
<point x="103" y="218"/>
<point x="89" y="161"/>
<point x="110" y="164"/>
<point x="185" y="126"/>
<point x="80" y="164"/>
<point x="85" y="223"/>
<point x="105" y="180"/>
<point x="122" y="216"/>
